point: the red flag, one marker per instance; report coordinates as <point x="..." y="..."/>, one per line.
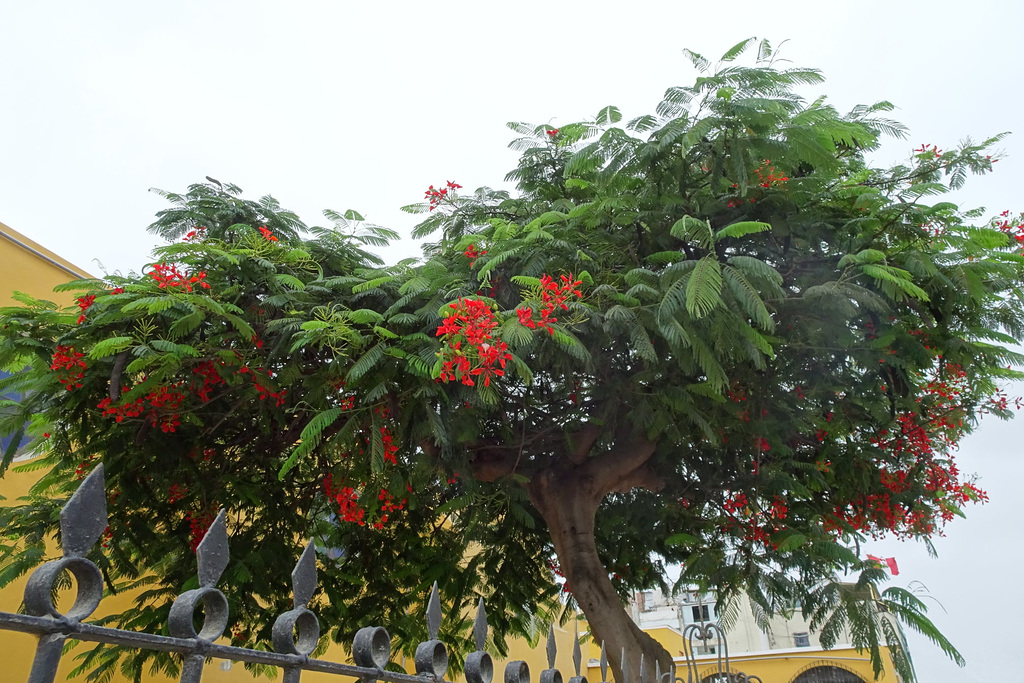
<point x="890" y="562"/>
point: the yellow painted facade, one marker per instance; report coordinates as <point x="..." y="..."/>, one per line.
<point x="29" y="267"/>
<point x="32" y="268"/>
<point x="775" y="666"/>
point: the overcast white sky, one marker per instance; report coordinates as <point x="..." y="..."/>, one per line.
<point x="362" y="105"/>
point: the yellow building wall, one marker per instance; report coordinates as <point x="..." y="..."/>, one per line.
<point x="772" y="667"/>
<point x="29" y="267"/>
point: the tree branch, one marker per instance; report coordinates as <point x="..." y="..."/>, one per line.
<point x="582" y="442"/>
<point x="613" y="469"/>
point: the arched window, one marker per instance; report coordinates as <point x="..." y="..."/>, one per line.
<point x="827" y="674"/>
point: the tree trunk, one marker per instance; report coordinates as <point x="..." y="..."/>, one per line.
<point x="568" y="502"/>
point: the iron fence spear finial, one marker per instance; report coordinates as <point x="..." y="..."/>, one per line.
<point x="82" y="520"/>
<point x="480" y="626"/>
<point x="297" y="631"/>
<point x="432" y="655"/>
<point x="479" y="665"/>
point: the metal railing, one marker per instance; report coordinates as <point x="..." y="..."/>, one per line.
<point x="295" y="633"/>
<point x="702" y="672"/>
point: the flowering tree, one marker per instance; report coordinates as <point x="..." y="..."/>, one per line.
<point x="714" y="336"/>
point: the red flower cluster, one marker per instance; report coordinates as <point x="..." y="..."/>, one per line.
<point x="556" y="568"/>
<point x="1001" y="402"/>
<point x="1015" y="231"/>
<point x="262" y="389"/>
<point x="387" y="504"/>
<point x="757" y="526"/>
<point x="67" y="361"/>
<point x="197" y="235"/>
<point x="473" y="254"/>
<point x="176" y="493"/>
<point x="439" y="195"/>
<point x="211" y="378"/>
<point x="120" y="412"/>
<point x="916" y="452"/>
<point x="84" y="302"/>
<point x="734" y="203"/>
<point x="553" y="296"/>
<point x="168" y="275"/>
<point x="553" y="132"/>
<point x="390" y="448"/>
<point x="766" y="175"/>
<point x="164" y="406"/>
<point x="84" y="467"/>
<point x="735" y="504"/>
<point x="928" y="151"/>
<point x="207" y="454"/>
<point x="347" y="500"/>
<point x="265" y="392"/>
<point x="267" y="234"/>
<point x="470" y="349"/>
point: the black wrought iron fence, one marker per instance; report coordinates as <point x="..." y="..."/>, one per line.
<point x="295" y="633"/>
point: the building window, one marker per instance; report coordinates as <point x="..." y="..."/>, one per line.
<point x="802" y="640"/>
<point x="6" y="440"/>
<point x="700" y="613"/>
<point x="647" y="602"/>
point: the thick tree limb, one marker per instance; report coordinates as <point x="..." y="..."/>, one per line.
<point x="582" y="442"/>
<point x="610" y="470"/>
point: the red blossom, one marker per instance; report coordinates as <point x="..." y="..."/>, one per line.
<point x="197" y="235"/>
<point x="473" y="254"/>
<point x="470" y="348"/>
<point x="67" y="361"/>
<point x="439" y="195"/>
<point x="767" y="177"/>
<point x="554" y="294"/>
<point x="167" y="275"/>
<point x="84" y="302"/>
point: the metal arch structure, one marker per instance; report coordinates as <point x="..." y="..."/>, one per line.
<point x="294" y="636"/>
<point x="721" y="671"/>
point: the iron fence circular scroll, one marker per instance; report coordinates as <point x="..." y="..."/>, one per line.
<point x="215" y="614"/>
<point x="371" y="647"/>
<point x="297" y="631"/>
<point x="550" y="676"/>
<point x="432" y="658"/>
<point x="517" y="672"/>
<point x="479" y="667"/>
<point x="39" y="589"/>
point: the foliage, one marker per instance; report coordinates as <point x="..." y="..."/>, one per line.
<point x="718" y="325"/>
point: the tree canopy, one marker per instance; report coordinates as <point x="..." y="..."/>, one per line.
<point x="713" y="336"/>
